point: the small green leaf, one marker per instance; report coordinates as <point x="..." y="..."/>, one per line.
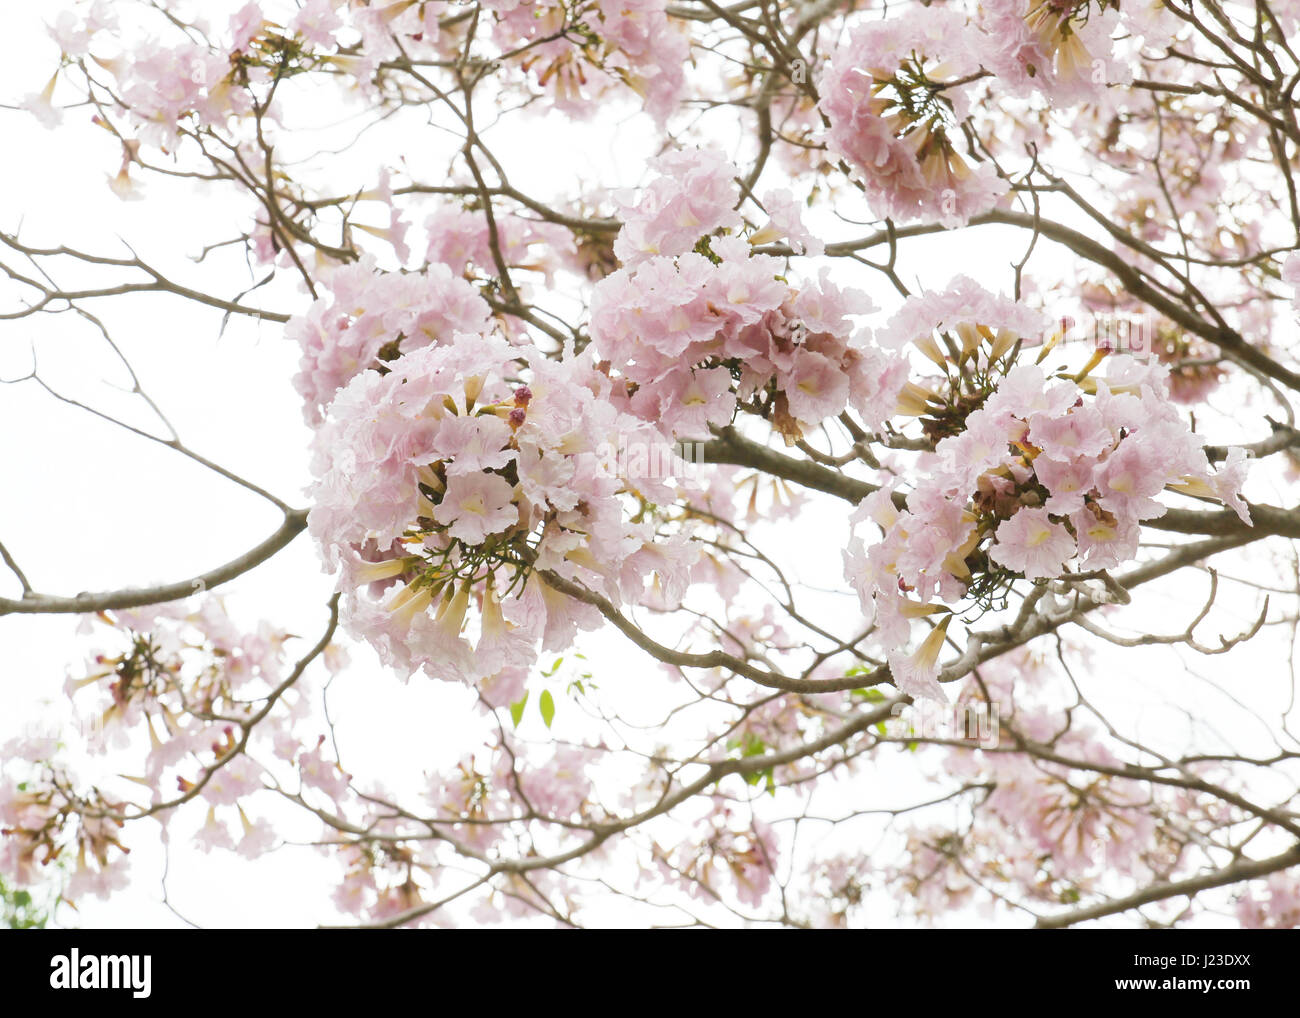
<point x="547" y="704"/>
<point x="517" y="709"/>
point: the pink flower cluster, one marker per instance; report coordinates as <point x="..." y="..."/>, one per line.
<point x="1062" y="50"/>
<point x="632" y="43"/>
<point x="1043" y="472"/>
<point x="371" y="318"/>
<point x="1052" y="831"/>
<point x="891" y="122"/>
<point x="163" y="86"/>
<point x="693" y="333"/>
<point x="693" y="195"/>
<point x="468" y="473"/>
<point x="461" y="240"/>
<point x="42" y="819"/>
<point x="647" y="51"/>
<point x="1275" y="906"/>
<point x="746" y="857"/>
<point x="962" y="302"/>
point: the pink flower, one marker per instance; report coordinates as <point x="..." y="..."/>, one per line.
<point x="694" y="195"/>
<point x="736" y="317"/>
<point x="259" y="837"/>
<point x="784" y="221"/>
<point x="476" y="505"/>
<point x="323" y="774"/>
<point x="41" y="105"/>
<point x="815" y="388"/>
<point x="74" y="34"/>
<point x="901" y="153"/>
<point x="650" y="45"/>
<point x="473" y="444"/>
<point x="1104" y="541"/>
<point x="1276" y="908"/>
<point x="1291" y="276"/>
<point x="1130" y="476"/>
<point x="559" y="788"/>
<point x="1067" y="482"/>
<point x="1030" y="543"/>
<point x="213" y="834"/>
<point x="1227" y="482"/>
<point x="232" y="781"/>
<point x="316" y="22"/>
<point x="964" y="300"/>
<point x="245" y="24"/>
<point x="1041" y="45"/>
<point x="917" y="674"/>
<point x="690" y="400"/>
<point x="1079" y="433"/>
<point x="372" y="311"/>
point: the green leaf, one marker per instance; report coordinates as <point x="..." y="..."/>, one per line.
<point x="547" y="704"/>
<point x="517" y="709"/>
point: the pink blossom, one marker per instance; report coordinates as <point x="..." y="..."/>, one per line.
<point x="321" y="773"/>
<point x="1040" y="45"/>
<point x="1067" y="481"/>
<point x="316" y="22"/>
<point x="905" y="161"/>
<point x="1030" y="543"/>
<point x="245" y="24"/>
<point x="785" y="222"/>
<point x="1104" y="541"/>
<point x="1291" y="276"/>
<point x="815" y="388"/>
<point x="917" y="674"/>
<point x="964" y="300"/>
<point x="694" y="195"/>
<point x="371" y="310"/>
<point x="654" y="51"/>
